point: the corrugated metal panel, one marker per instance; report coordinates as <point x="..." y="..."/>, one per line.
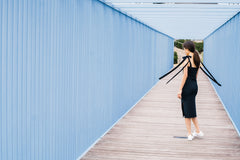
<point x="69" y="71"/>
<point x="221" y="55"/>
<point x="181" y="19"/>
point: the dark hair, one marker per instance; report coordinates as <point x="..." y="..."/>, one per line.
<point x="191" y="47"/>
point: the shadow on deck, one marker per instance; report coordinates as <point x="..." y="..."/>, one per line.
<point x="148" y="130"/>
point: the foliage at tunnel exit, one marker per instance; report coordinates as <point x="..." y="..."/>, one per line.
<point x="178" y="43"/>
<point x="175" y="57"/>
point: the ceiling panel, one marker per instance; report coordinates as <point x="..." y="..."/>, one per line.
<point x="180" y="19"/>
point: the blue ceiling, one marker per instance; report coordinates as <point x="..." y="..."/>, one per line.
<point x="180" y="19"/>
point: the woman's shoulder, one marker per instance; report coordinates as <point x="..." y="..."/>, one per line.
<point x="193" y="64"/>
<point x="186" y="61"/>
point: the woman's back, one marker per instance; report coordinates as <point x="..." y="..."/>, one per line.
<point x="192" y="71"/>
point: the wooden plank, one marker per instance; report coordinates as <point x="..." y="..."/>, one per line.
<point x="148" y="130"/>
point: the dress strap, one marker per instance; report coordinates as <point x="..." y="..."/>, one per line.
<point x="210" y="75"/>
<point x="177" y="73"/>
<point x="184" y="58"/>
<point x="188" y="57"/>
<point x="189" y="60"/>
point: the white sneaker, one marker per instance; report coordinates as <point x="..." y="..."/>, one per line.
<point x="200" y="134"/>
<point x="190" y="137"/>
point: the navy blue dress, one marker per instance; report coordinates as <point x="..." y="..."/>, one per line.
<point x="189" y="92"/>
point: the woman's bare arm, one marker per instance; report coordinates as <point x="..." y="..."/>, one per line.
<point x="185" y="74"/>
<point x="197" y="73"/>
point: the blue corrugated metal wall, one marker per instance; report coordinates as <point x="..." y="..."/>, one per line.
<point x="69" y="71"/>
<point x="222" y="57"/>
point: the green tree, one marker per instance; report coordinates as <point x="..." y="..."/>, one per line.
<point x="178" y="45"/>
<point x="199" y="46"/>
<point x="175" y="57"/>
<point x="181" y="40"/>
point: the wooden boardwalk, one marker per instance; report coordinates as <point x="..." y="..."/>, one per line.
<point x="147" y="131"/>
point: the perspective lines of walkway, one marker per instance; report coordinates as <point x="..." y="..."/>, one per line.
<point x="147" y="131"/>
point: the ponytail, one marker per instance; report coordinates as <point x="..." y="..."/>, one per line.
<point x="196" y="59"/>
<point x="191" y="47"/>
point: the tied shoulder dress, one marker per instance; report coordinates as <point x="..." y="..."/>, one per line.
<point x="189" y="92"/>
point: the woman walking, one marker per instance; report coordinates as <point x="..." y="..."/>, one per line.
<point x="189" y="88"/>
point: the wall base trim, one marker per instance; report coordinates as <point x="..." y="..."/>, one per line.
<point x="84" y="153"/>
<point x="229" y="116"/>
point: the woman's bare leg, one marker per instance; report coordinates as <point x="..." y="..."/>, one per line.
<point x="195" y="122"/>
<point x="188" y="125"/>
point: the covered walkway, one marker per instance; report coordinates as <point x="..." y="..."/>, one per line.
<point x="154" y="129"/>
<point x="70" y="70"/>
